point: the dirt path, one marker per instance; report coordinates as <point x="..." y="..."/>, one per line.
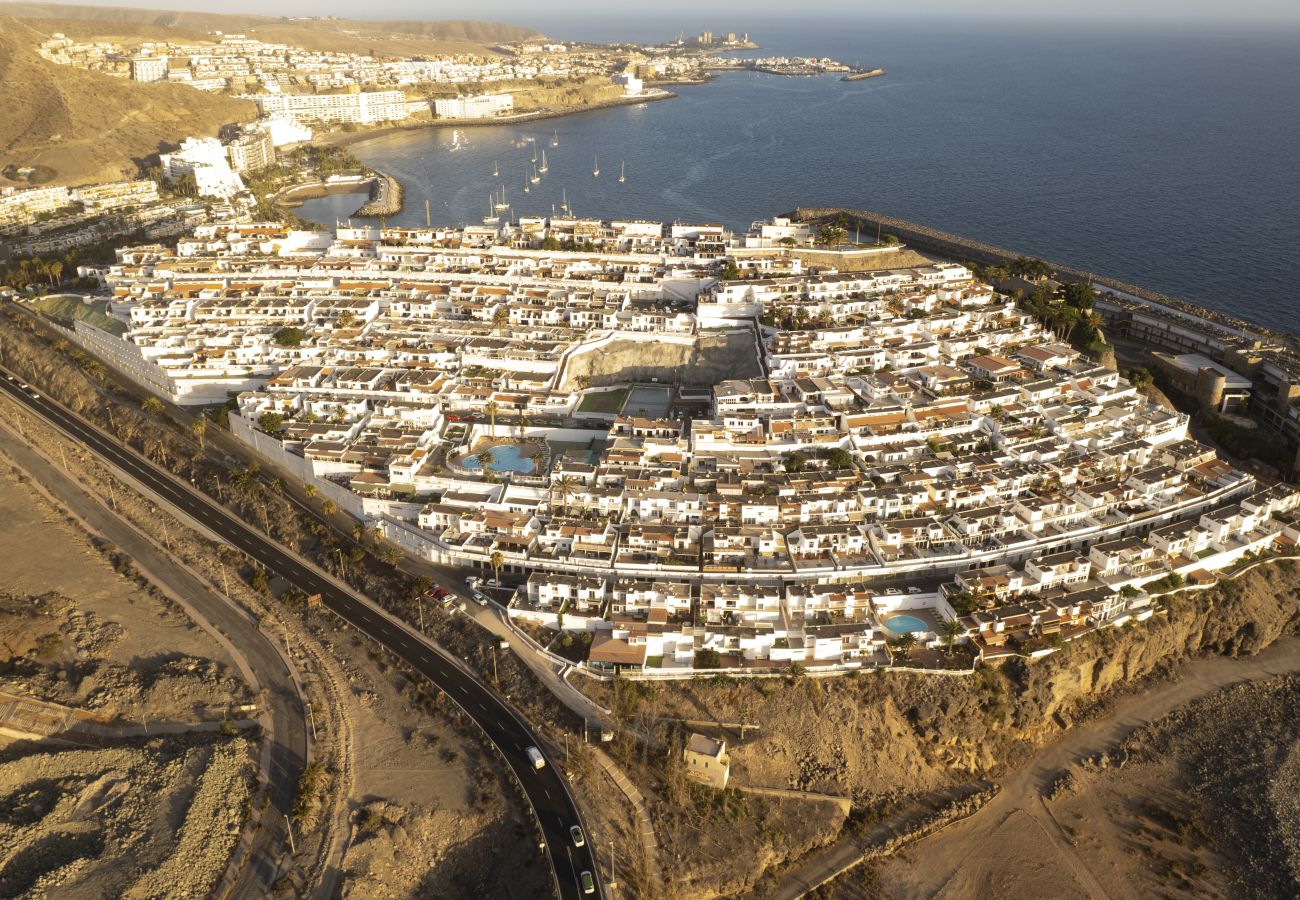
<point x="1014" y="842"/>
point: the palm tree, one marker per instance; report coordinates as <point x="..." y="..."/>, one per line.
<point x="151" y="405"/>
<point x="198" y="429"/>
<point x="485" y="460"/>
<point x="310" y="490"/>
<point x="500" y="318"/>
<point x="565" y="486"/>
<point x="328" y="507"/>
<point x="497" y="560"/>
<point x="951" y="630"/>
<point x="492" y="408"/>
<point x="904" y="643"/>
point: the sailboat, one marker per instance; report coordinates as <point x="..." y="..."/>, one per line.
<point x="534" y="178"/>
<point x="495" y="171"/>
<point x="595" y="166"/>
<point x="555" y="139"/>
<point x="621" y="176"/>
<point x="564" y="201"/>
<point x="491" y="218"/>
<point x="502" y="204"/>
<point x="543" y="167"/>
<point x="527" y="189"/>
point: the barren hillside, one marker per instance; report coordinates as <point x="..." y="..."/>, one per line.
<point x="91" y="127"/>
<point x="383" y="38"/>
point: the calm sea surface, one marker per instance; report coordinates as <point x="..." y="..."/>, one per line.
<point x="1167" y="158"/>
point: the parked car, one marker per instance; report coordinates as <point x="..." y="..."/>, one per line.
<point x="892" y="592"/>
<point x="914" y="590"/>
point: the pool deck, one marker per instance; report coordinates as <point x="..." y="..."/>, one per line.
<point x="540" y="462"/>
<point x="933" y="621"/>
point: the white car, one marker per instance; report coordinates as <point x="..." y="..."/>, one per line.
<point x="892" y="592"/>
<point x="914" y="590"/>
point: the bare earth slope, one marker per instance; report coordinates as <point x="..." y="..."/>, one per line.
<point x="91" y="127"/>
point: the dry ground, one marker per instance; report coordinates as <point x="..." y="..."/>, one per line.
<point x="91" y="638"/>
<point x="92" y="127"/>
<point x="430" y="807"/>
<point x="140" y="817"/>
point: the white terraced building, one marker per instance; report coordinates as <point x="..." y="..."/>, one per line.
<point x="912" y="425"/>
<point x="364" y="108"/>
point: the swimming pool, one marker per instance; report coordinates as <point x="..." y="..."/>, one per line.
<point x="505" y="458"/>
<point x="904" y="624"/>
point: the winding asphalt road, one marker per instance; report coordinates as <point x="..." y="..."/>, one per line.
<point x="545" y="788"/>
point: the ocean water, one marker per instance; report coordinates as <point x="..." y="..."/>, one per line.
<point x="1163" y="155"/>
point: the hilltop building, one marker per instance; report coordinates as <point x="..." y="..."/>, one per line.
<point x="149" y="68"/>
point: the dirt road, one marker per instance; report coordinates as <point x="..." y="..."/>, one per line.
<point x="1014" y="842"/>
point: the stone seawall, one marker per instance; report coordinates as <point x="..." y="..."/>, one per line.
<point x="385" y="198"/>
<point x="957" y="247"/>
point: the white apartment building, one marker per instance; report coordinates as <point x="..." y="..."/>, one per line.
<point x="149" y="68"/>
<point x="483" y="106"/>
<point x="253" y="149"/>
<point x="204" y="158"/>
<point x="364" y="108"/>
<point x="632" y="86"/>
<point x="18" y="207"/>
<point x="285" y="130"/>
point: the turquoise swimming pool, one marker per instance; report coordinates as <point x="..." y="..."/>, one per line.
<point x="905" y="624"/>
<point x="505" y="458"/>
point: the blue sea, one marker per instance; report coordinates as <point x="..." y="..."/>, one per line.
<point x="1165" y="155"/>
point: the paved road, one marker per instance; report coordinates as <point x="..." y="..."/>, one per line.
<point x="546" y="789"/>
<point x="288" y="724"/>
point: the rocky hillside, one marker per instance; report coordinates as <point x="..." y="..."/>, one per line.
<point x="710" y="359"/>
<point x="343" y="35"/>
<point x="90" y="127"/>
<point x="885" y="736"/>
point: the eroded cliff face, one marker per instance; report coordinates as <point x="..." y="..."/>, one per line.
<point x="1038" y="699"/>
<point x="876" y="736"/>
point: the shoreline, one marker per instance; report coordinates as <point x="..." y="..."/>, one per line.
<point x="349" y="138"/>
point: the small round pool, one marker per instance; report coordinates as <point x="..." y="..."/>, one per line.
<point x="505" y="458"/>
<point x="904" y="624"/>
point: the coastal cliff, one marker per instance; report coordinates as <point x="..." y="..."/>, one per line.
<point x="892" y="735"/>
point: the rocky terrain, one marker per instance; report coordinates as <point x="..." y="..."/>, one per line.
<point x="710" y="359"/>
<point x="130" y="815"/>
<point x="887" y="739"/>
<point x="1205" y="802"/>
<point x="157" y="818"/>
<point x="429" y="807"/>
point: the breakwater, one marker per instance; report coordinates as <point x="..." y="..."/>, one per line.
<point x="860" y="76"/>
<point x="956" y="247"/>
<point x="385" y="198"/>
